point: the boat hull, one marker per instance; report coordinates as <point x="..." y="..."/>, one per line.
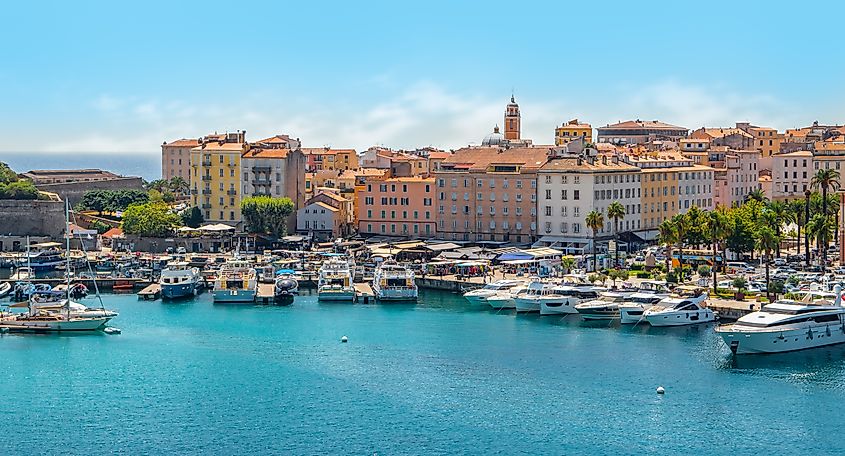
<point x="526" y="305"/>
<point x="558" y="306"/>
<point x="234" y="296"/>
<point x="176" y="291"/>
<point x="630" y="315"/>
<point x="679" y="318"/>
<point x="406" y="295"/>
<point x="763" y="342"/>
<point x="336" y="296"/>
<point x="92" y="324"/>
<point x="498" y="303"/>
<point x="599" y="314"/>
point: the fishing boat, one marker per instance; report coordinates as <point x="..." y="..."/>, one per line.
<point x="285" y="287"/>
<point x="394" y="282"/>
<point x="236" y="282"/>
<point x="180" y="280"/>
<point x="335" y="280"/>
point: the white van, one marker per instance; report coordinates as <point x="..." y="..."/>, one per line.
<point x="734" y="267"/>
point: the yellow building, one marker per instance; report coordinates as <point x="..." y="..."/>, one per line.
<point x="216" y="178"/>
<point x="573" y="130"/>
<point x="318" y="158"/>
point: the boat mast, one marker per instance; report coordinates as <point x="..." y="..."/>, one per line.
<point x="67" y="258"/>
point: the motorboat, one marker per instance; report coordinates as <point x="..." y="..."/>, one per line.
<point x="22" y="273"/>
<point x="566" y="297"/>
<point x="606" y="307"/>
<point x="73" y="291"/>
<point x="235" y="283"/>
<point x="684" y="307"/>
<point x="45" y="256"/>
<point x="394" y="282"/>
<point x="179" y="280"/>
<point x="479" y="296"/>
<point x="23" y="290"/>
<point x="631" y="311"/>
<point x="506" y="299"/>
<point x="786" y="325"/>
<point x="5" y="289"/>
<point x="335" y="280"/>
<point x="285" y="287"/>
<point x="549" y="298"/>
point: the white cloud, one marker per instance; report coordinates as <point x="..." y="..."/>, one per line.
<point x="422" y="114"/>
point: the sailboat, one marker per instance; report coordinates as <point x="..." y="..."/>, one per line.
<point x="57" y="315"/>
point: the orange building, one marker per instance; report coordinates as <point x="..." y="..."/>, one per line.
<point x="396" y="207"/>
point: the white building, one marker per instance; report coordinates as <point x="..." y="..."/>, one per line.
<point x="791" y="174"/>
<point x="569" y="187"/>
<point x="319" y="220"/>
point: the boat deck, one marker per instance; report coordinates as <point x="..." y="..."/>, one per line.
<point x="364" y="293"/>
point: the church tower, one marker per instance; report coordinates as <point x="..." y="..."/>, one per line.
<point x="512" y="121"/>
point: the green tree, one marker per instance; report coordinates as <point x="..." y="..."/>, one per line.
<point x="149" y="219"/>
<point x="179" y="186"/>
<point x="695" y="221"/>
<point x="742" y="231"/>
<point x="681" y="228"/>
<point x="795" y="211"/>
<point x="18" y="190"/>
<point x="616" y="211"/>
<point x="668" y="235"/>
<point x="264" y="214"/>
<point x="717" y="228"/>
<point x="767" y="240"/>
<point x="567" y="263"/>
<point x="821" y="229"/>
<point x="756" y="195"/>
<point x="595" y="222"/>
<point x="825" y="179"/>
<point x="779" y="215"/>
<point x="192" y="217"/>
<point x="7" y="175"/>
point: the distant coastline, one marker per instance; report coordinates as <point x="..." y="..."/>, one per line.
<point x="144" y="164"/>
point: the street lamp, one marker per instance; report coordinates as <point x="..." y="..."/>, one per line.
<point x="807" y="194"/>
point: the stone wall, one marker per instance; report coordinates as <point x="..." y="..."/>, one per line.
<point x="73" y="191"/>
<point x="32" y="218"/>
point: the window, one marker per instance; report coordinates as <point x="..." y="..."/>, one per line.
<point x="576" y="194"/>
<point x="548" y="194"/>
<point x="548" y="211"/>
<point x="563" y="195"/>
<point x="576" y="227"/>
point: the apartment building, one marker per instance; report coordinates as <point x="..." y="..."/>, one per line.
<point x="640" y="131"/>
<point x="176" y="158"/>
<point x="791" y="174"/>
<point x="215" y="177"/>
<point x="573" y="130"/>
<point x="397" y="207"/>
<point x="332" y="159"/>
<point x="489" y="193"/>
<point x="274" y="169"/>
<point x="570" y="186"/>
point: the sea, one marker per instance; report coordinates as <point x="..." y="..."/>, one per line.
<point x="143" y="164"/>
<point x="438" y="377"/>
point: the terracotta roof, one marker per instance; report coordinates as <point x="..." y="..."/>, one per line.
<point x="598" y="166"/>
<point x="721" y="132"/>
<point x="479" y="158"/>
<point x="113" y="232"/>
<point x="439" y="154"/>
<point x="651" y="124"/>
<point x="257" y="152"/>
<point x="325" y="206"/>
<point x="183" y="143"/>
<point x="325" y="151"/>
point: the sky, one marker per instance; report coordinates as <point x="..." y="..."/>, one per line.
<point x="122" y="77"/>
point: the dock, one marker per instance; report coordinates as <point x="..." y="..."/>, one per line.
<point x="265" y="294"/>
<point x="364" y="293"/>
<point x="732" y="309"/>
<point x="150" y="292"/>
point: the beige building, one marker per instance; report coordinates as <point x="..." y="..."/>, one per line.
<point x="489" y="193"/>
<point x="176" y="158"/>
<point x="791" y="174"/>
<point x="639" y="132"/>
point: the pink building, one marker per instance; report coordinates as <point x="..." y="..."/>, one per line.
<point x="397" y="207"/>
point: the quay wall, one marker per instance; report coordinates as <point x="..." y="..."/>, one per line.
<point x="73" y="191"/>
<point x="33" y="218"/>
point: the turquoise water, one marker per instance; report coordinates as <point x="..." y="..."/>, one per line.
<point x="436" y="378"/>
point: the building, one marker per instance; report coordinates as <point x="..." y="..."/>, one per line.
<point x="733" y="138"/>
<point x="216" y="177"/>
<point x="513" y="121"/>
<point x="570" y="186"/>
<point x="276" y="169"/>
<point x="489" y="193"/>
<point x="325" y="217"/>
<point x="572" y="130"/>
<point x="670" y="184"/>
<point x="176" y="158"/>
<point x="791" y="174"/>
<point x="829" y="154"/>
<point x="72" y="184"/>
<point x="66" y="176"/>
<point x="640" y="131"/>
<point x="767" y="140"/>
<point x="396" y="207"/>
<point x="739" y="176"/>
<point x="327" y="158"/>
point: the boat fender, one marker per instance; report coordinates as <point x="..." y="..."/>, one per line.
<point x="195" y="291"/>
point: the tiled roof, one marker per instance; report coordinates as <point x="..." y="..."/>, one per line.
<point x="479" y="158"/>
<point x="183" y="143"/>
<point x="650" y="124"/>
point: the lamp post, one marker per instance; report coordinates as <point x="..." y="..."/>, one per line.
<point x="807" y="194"/>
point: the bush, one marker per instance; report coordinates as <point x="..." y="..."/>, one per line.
<point x="643" y="275"/>
<point x="740" y="283"/>
<point x="671" y="277"/>
<point x="637" y="267"/>
<point x="704" y="270"/>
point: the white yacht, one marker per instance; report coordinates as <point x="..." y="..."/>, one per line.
<point x="178" y="280"/>
<point x="647" y="295"/>
<point x="394" y="282"/>
<point x="567" y="297"/>
<point x="480" y="295"/>
<point x="684" y="308"/>
<point x="235" y="282"/>
<point x="786" y="325"/>
<point x="506" y="299"/>
<point x="335" y="282"/>
<point x="606" y="307"/>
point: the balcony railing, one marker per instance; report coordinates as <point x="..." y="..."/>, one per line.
<point x="206" y="163"/>
<point x="206" y="206"/>
<point x="206" y="177"/>
<point x="260" y="169"/>
<point x="261" y="194"/>
<point x="261" y="181"/>
<point x="231" y="192"/>
<point x="206" y="191"/>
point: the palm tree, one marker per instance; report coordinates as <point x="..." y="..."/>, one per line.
<point x="824" y="179"/>
<point x="779" y="216"/>
<point x="717" y="227"/>
<point x="595" y="221"/>
<point x="767" y="240"/>
<point x="795" y="211"/>
<point x="567" y="263"/>
<point x="179" y="185"/>
<point x="820" y="228"/>
<point x="681" y="227"/>
<point x="668" y="234"/>
<point x="615" y="212"/>
<point x="756" y="195"/>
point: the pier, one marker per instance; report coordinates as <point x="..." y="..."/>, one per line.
<point x="364" y="293"/>
<point x="265" y="294"/>
<point x="150" y="292"/>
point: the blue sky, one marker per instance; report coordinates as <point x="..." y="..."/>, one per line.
<point x="123" y="77"/>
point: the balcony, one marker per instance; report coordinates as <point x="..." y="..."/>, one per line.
<point x="260" y="169"/>
<point x="206" y="206"/>
<point x="261" y="181"/>
<point x="206" y="191"/>
<point x="193" y="191"/>
<point x="261" y="194"/>
<point x="206" y="163"/>
<point x="231" y="192"/>
<point x="206" y="177"/>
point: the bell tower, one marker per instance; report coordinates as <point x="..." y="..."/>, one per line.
<point x="512" y="120"/>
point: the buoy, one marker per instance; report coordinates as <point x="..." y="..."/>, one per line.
<point x="344" y="339"/>
<point x="660" y="390"/>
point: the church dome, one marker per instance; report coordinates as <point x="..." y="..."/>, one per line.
<point x="494" y="139"/>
